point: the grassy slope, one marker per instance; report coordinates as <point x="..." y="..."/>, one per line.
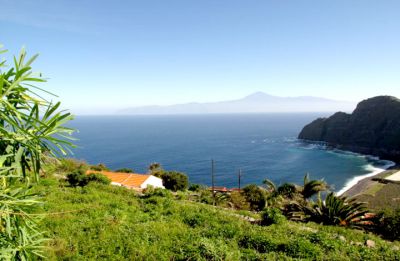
<point x="112" y="223"/>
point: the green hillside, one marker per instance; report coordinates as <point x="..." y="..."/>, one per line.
<point x="105" y="222"/>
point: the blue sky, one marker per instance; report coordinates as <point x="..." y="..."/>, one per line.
<point x="100" y="56"/>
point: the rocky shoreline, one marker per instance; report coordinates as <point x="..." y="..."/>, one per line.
<point x="373" y="128"/>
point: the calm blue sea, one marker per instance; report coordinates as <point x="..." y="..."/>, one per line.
<point x="262" y="145"/>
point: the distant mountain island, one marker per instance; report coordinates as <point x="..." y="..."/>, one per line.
<point x="373" y="128"/>
<point x="258" y="102"/>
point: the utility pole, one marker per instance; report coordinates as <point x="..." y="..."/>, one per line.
<point x="212" y="180"/>
<point x="239" y="176"/>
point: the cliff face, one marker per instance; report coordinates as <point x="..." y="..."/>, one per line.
<point x="373" y="128"/>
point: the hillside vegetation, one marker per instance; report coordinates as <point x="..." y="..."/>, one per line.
<point x="112" y="223"/>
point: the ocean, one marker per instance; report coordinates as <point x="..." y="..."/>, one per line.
<point x="260" y="145"/>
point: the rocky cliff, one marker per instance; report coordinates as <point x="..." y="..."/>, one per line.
<point x="373" y="128"/>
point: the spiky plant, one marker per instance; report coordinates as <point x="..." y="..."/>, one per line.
<point x="278" y="196"/>
<point x="269" y="185"/>
<point x="335" y="210"/>
<point x="312" y="187"/>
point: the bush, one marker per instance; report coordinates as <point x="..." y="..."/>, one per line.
<point x="156" y="169"/>
<point x="255" y="196"/>
<point x="195" y="187"/>
<point x="125" y="170"/>
<point x="150" y="191"/>
<point x="271" y="216"/>
<point x="287" y="190"/>
<point x="77" y="178"/>
<point x="206" y="197"/>
<point x="258" y="242"/>
<point x="301" y="248"/>
<point x="70" y="165"/>
<point x="99" y="167"/>
<point x="181" y="195"/>
<point x="99" y="178"/>
<point x="239" y="201"/>
<point x="175" y="181"/>
<point x="389" y="224"/>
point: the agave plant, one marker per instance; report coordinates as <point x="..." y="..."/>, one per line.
<point x="335" y="210"/>
<point x="30" y="126"/>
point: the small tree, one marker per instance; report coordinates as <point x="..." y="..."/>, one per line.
<point x="255" y="196"/>
<point x="175" y="181"/>
<point x="156" y="169"/>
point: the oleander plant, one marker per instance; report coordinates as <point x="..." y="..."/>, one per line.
<point x="31" y="130"/>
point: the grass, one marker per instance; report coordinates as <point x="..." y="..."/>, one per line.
<point x="373" y="189"/>
<point x="112" y="223"/>
<point x="386" y="197"/>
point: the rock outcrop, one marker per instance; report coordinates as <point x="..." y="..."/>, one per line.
<point x="373" y="128"/>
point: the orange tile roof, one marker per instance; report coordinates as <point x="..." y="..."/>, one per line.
<point x="132" y="180"/>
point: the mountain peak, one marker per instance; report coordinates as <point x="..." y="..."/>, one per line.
<point x="258" y="102"/>
<point x="258" y="96"/>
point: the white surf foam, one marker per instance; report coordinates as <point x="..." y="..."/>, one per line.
<point x="373" y="170"/>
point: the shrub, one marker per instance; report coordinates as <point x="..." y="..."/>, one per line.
<point x="175" y="181"/>
<point x="150" y="191"/>
<point x="271" y="216"/>
<point x="181" y="195"/>
<point x="195" y="187"/>
<point x="389" y="224"/>
<point x="31" y="128"/>
<point x="239" y="201"/>
<point x="99" y="178"/>
<point x="125" y="170"/>
<point x="77" y="178"/>
<point x="99" y="167"/>
<point x="301" y="248"/>
<point x="156" y="169"/>
<point x="287" y="190"/>
<point x="255" y="196"/>
<point x="206" y="197"/>
<point x="258" y="242"/>
<point x="70" y="165"/>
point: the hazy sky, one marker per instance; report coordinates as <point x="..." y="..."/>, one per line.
<point x="104" y="55"/>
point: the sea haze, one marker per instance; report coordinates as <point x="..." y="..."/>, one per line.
<point x="262" y="145"/>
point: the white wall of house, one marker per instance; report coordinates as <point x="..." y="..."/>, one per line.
<point x="153" y="181"/>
